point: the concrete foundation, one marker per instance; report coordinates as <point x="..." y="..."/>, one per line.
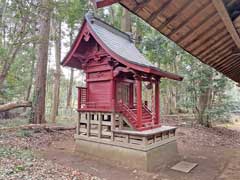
<point x="148" y="160"/>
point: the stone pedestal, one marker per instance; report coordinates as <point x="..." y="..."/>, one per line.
<point x="149" y="157"/>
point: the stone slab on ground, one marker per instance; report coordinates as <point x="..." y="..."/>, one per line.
<point x="184" y="166"/>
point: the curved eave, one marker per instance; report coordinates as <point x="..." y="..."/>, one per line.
<point x="138" y="67"/>
<point x="74" y="46"/>
<point x="135" y="66"/>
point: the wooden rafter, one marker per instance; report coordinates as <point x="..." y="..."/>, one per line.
<point x="234" y="70"/>
<point x="223" y="56"/>
<point x="217" y="57"/>
<point x="218" y="50"/>
<point x="171" y="18"/>
<point x="236" y="74"/>
<point x="235" y="62"/>
<point x="157" y="12"/>
<point x="208" y="18"/>
<point x="186" y="21"/>
<point x="223" y="13"/>
<point x="212" y="44"/>
<point x="225" y="63"/>
<point x="204" y="36"/>
<point x="140" y="5"/>
<point x="213" y="47"/>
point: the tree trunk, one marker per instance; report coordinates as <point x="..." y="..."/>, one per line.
<point x="14" y="105"/>
<point x="126" y="25"/>
<point x="204" y="101"/>
<point x="2" y="24"/>
<point x="69" y="94"/>
<point x="57" y="74"/>
<point x="112" y="15"/>
<point x="38" y="110"/>
<point x="31" y="74"/>
<point x="7" y="65"/>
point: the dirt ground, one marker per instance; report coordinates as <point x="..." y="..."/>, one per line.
<point x="216" y="150"/>
<point x="216" y="160"/>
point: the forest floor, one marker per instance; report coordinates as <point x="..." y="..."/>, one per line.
<point x="26" y="154"/>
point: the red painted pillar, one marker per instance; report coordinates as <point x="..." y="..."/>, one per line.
<point x="114" y="95"/>
<point x="139" y="102"/>
<point x="157" y="104"/>
<point x="131" y="94"/>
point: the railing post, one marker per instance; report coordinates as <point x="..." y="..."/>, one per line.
<point x="78" y="123"/>
<point x="79" y="97"/>
<point x="131" y="95"/>
<point x="157" y="104"/>
<point x="139" y="101"/>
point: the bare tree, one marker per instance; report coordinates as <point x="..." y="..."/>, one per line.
<point x="38" y="109"/>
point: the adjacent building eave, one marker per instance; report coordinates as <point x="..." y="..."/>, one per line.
<point x="103" y="3"/>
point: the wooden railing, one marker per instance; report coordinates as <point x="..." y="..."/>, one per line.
<point x="82" y="97"/>
<point x="147" y="109"/>
<point x="126" y="111"/>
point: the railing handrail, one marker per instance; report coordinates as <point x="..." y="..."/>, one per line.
<point x="147" y="109"/>
<point x="126" y="109"/>
<point x="80" y="87"/>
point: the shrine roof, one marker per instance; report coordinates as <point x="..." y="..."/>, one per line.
<point x="117" y="41"/>
<point x="119" y="45"/>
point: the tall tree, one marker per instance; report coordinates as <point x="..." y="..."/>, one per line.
<point x="15" y="27"/>
<point x="57" y="75"/>
<point x="126" y="24"/>
<point x="38" y="109"/>
<point x="69" y="93"/>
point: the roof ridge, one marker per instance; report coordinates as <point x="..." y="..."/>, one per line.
<point x="91" y="18"/>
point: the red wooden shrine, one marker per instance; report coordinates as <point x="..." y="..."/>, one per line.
<point x="115" y="72"/>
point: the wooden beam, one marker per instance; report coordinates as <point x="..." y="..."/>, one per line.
<point x="205" y="20"/>
<point x="189" y="18"/>
<point x="233" y="64"/>
<point x="223" y="56"/>
<point x="209" y="46"/>
<point x="234" y="71"/>
<point x="223" y="13"/>
<point x="209" y="17"/>
<point x="217" y="58"/>
<point x="171" y="18"/>
<point x="218" y="50"/>
<point x="234" y="67"/>
<point x="225" y="51"/>
<point x="224" y="63"/>
<point x="157" y="12"/>
<point x="140" y="5"/>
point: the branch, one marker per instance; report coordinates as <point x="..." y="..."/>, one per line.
<point x="38" y="127"/>
<point x="14" y="105"/>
